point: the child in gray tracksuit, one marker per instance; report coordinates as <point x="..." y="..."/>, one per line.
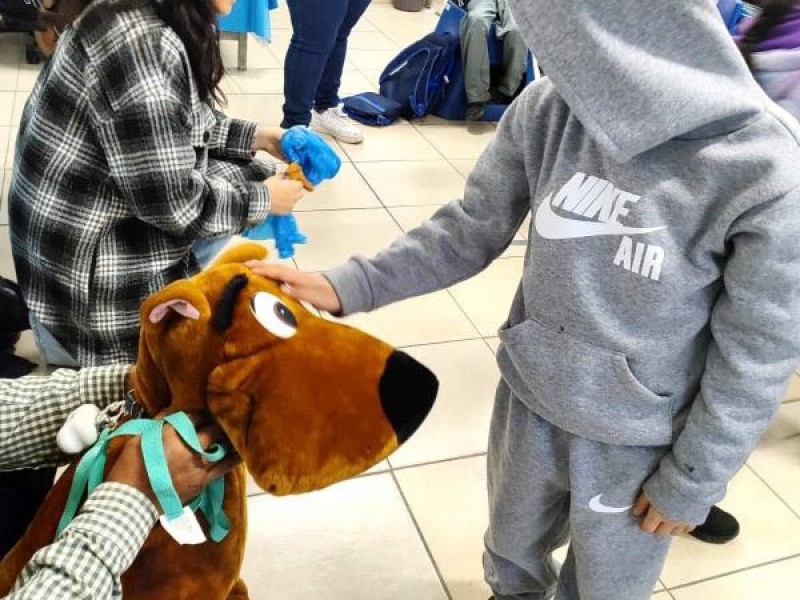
<point x="658" y="317"/>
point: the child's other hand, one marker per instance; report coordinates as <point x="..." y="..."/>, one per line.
<point x="308" y="287"/>
<point x="654" y="521"/>
<point x="283" y="194"/>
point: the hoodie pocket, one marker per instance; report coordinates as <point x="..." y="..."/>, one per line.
<point x="582" y="388"/>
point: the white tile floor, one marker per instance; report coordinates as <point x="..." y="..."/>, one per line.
<point x="412" y="527"/>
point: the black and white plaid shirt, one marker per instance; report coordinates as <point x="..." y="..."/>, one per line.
<point x="119" y="168"/>
<point x="88" y="558"/>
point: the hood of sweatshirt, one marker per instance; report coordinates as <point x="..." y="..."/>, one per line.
<point x="637" y="74"/>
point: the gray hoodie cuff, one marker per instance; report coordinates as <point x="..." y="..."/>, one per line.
<point x="671" y="503"/>
<point x="352" y="286"/>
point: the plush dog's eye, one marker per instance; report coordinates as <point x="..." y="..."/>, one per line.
<point x="273" y="315"/>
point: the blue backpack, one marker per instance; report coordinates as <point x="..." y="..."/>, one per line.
<point x="372" y="109"/>
<point x="416" y="78"/>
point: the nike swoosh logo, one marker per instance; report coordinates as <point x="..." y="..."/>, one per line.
<point x="551" y="226"/>
<point x="597" y="506"/>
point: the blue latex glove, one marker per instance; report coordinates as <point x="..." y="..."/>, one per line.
<point x="319" y="162"/>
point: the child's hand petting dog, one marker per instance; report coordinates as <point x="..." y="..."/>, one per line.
<point x="655" y="522"/>
<point x="307" y="287"/>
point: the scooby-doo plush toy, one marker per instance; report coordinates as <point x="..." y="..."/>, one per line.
<point x="304" y="401"/>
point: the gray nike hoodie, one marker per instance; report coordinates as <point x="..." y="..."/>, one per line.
<point x="660" y="300"/>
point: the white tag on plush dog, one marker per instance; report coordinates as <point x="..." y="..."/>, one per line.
<point x="185" y="529"/>
<point x="79" y="431"/>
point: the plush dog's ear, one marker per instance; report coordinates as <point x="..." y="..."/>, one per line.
<point x="175" y="322"/>
<point x="241" y="253"/>
<point x="182" y="297"/>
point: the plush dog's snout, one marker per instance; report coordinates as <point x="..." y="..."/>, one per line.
<point x="407" y="390"/>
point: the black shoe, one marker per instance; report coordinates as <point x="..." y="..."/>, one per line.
<point x="475" y="111"/>
<point x="8" y="341"/>
<point x="12" y="366"/>
<point x="720" y="527"/>
<point x="499" y="97"/>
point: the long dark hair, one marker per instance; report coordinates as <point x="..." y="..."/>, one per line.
<point x="772" y="13"/>
<point x="195" y="23"/>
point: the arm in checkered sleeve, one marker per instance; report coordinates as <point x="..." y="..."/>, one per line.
<point x="232" y="138"/>
<point x="33" y="408"/>
<point x="88" y="558"/>
<point x="235" y="139"/>
<point x="144" y="125"/>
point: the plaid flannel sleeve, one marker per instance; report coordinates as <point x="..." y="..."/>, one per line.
<point x="232" y="138"/>
<point x="33" y="408"/>
<point x="153" y="160"/>
<point x="88" y="558"/>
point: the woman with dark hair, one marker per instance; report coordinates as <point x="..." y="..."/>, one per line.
<point x="770" y="44"/>
<point x="123" y="166"/>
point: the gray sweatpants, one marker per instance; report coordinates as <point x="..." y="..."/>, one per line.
<point x="475" y="53"/>
<point x="548" y="487"/>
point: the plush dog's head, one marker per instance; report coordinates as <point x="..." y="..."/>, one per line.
<point x="306" y="402"/>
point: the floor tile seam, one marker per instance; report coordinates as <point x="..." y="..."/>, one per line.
<point x="391" y="469"/>
<point x="438" y="461"/>
<point x="386" y="471"/>
<point x="733" y="572"/>
<point x="442" y="342"/>
<point x="771" y="489"/>
<point x="424" y="541"/>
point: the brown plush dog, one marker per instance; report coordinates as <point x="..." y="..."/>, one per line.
<point x="305" y="402"/>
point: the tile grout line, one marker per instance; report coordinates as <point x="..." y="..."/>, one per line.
<point x="442" y="342"/>
<point x="734" y="572"/>
<point x="391" y="469"/>
<point x="421" y="536"/>
<point x="770" y="488"/>
<point x="438" y="461"/>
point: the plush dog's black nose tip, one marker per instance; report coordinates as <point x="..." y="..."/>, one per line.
<point x="407" y="390"/>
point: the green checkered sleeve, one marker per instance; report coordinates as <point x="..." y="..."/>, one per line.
<point x="89" y="557"/>
<point x="33" y="408"/>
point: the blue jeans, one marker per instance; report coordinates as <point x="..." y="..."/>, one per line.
<point x="206" y="249"/>
<point x="314" y="62"/>
<point x="50" y="349"/>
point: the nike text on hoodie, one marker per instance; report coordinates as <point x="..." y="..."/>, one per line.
<point x="660" y="299"/>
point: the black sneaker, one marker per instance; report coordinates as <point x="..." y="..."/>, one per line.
<point x="475" y="111"/>
<point x="720" y="527"/>
<point x="499" y="97"/>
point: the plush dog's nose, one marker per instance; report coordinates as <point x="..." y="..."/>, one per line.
<point x="407" y="390"/>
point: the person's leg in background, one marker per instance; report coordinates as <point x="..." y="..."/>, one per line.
<point x="475" y="55"/>
<point x="315" y="25"/>
<point x="329" y="117"/>
<point x="515" y="53"/>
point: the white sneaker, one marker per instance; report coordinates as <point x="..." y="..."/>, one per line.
<point x="335" y="122"/>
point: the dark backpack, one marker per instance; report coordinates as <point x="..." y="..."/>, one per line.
<point x="372" y="109"/>
<point x="417" y="77"/>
